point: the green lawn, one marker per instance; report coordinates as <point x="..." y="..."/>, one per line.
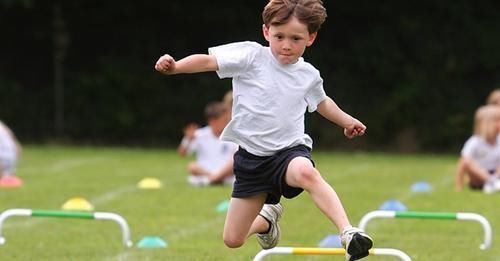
<point x="186" y="217"/>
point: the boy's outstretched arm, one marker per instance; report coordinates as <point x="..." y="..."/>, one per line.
<point x="331" y="111"/>
<point x="191" y="64"/>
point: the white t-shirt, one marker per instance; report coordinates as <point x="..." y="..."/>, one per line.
<point x="269" y="98"/>
<point x="483" y="153"/>
<point x="211" y="152"/>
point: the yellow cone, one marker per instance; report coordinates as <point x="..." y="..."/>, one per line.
<point x="149" y="183"/>
<point x="77" y="203"/>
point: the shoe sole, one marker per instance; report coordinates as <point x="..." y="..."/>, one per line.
<point x="358" y="247"/>
<point x="278" y="235"/>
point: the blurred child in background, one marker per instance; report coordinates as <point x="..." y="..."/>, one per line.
<point x="214" y="157"/>
<point x="479" y="164"/>
<point x="10" y="150"/>
<point x="494" y="97"/>
<point x="228" y="102"/>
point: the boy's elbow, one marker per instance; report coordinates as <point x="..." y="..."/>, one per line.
<point x="211" y="64"/>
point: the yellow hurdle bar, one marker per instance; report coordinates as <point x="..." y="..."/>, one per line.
<point x="317" y="251"/>
<point x="327" y="251"/>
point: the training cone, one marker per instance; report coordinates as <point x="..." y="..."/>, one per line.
<point x="149" y="183"/>
<point x="332" y="241"/>
<point x="152" y="242"/>
<point x="10" y="182"/>
<point x="77" y="203"/>
<point x="393" y="205"/>
<point x="421" y="187"/>
<point x="223" y="206"/>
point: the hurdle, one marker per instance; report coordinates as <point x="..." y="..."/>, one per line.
<point x="433" y="215"/>
<point x="67" y="214"/>
<point x="327" y="251"/>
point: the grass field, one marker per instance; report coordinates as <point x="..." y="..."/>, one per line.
<point x="186" y="217"/>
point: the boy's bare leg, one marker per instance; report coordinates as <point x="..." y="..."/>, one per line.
<point x="301" y="173"/>
<point x="243" y="220"/>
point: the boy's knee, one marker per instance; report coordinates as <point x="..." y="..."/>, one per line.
<point x="307" y="175"/>
<point x="233" y="242"/>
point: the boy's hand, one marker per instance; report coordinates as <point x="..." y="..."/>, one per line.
<point x="190" y="130"/>
<point x="356" y="128"/>
<point x="165" y="65"/>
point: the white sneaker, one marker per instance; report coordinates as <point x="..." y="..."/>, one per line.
<point x="271" y="213"/>
<point x="496" y="184"/>
<point x="198" y="181"/>
<point x="488" y="187"/>
<point x="492" y="185"/>
<point x="356" y="243"/>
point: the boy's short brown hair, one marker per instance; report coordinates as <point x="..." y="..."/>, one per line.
<point x="214" y="110"/>
<point x="310" y="12"/>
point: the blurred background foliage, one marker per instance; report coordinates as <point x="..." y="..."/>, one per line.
<point x="82" y="71"/>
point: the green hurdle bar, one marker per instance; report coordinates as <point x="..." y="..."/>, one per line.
<point x="67" y="214"/>
<point x="432" y="215"/>
<point x="327" y="251"/>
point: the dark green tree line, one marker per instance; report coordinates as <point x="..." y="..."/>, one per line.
<point x="82" y="71"/>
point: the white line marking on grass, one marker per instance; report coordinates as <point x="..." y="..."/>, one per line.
<point x="60" y="165"/>
<point x="122" y="256"/>
<point x="191" y="231"/>
<point x="24" y="223"/>
<point x="112" y="195"/>
<point x="67" y="164"/>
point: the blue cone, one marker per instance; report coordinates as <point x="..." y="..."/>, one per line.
<point x="421" y="187"/>
<point x="393" y="205"/>
<point x="332" y="240"/>
<point x="152" y="242"/>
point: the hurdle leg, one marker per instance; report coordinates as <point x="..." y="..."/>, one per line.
<point x="68" y="214"/>
<point x="9" y="213"/>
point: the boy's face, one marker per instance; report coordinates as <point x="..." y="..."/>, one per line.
<point x="219" y="123"/>
<point x="288" y="41"/>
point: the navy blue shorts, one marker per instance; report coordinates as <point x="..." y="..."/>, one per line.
<point x="258" y="174"/>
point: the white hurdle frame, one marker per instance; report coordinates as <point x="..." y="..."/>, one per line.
<point x="327" y="251"/>
<point x="67" y="214"/>
<point x="433" y="215"/>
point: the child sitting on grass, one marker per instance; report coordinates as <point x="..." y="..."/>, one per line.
<point x="479" y="163"/>
<point x="214" y="158"/>
<point x="10" y="150"/>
